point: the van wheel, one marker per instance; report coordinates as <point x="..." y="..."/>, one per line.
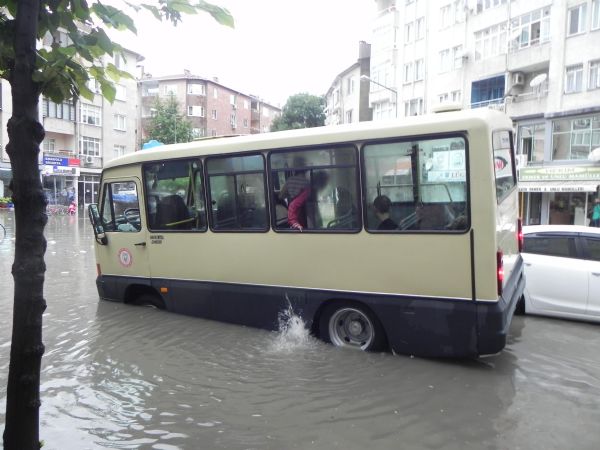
<point x="151" y="300"/>
<point x="352" y="326"/>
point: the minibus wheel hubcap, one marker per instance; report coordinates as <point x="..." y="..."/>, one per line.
<point x="350" y="327"/>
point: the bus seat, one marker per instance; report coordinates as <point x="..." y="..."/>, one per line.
<point x="225" y="217"/>
<point x="172" y="209"/>
<point x="344" y="209"/>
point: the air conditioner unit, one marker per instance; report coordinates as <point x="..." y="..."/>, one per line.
<point x="233" y="107"/>
<point x="89" y="159"/>
<point x="518" y="79"/>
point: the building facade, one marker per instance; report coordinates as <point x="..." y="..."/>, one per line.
<point x="212" y="108"/>
<point x="80" y="136"/>
<point x="537" y="60"/>
<point x="347" y="99"/>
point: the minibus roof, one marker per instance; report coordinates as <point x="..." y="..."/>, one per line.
<point x="406" y="126"/>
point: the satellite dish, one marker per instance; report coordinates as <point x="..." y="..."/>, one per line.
<point x="594" y="155"/>
<point x="538" y="79"/>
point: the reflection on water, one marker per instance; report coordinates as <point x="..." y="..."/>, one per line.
<point x="117" y="376"/>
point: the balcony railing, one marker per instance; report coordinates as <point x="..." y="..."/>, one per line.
<point x="496" y="103"/>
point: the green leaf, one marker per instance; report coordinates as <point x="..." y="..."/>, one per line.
<point x="183" y="6"/>
<point x="104" y="42"/>
<point x="69" y="52"/>
<point x="108" y="90"/>
<point x="112" y="72"/>
<point x="218" y="13"/>
<point x="85" y="92"/>
<point x="153" y="9"/>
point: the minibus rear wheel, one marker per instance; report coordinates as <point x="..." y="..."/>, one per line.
<point x="351" y="325"/>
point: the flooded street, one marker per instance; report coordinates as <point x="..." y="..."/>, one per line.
<point x="124" y="377"/>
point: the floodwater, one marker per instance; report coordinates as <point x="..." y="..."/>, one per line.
<point x="125" y="377"/>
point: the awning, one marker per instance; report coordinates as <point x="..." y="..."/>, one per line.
<point x="558" y="186"/>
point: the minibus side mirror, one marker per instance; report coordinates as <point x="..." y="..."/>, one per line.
<point x="97" y="224"/>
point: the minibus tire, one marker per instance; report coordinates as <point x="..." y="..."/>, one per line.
<point x="351" y="325"/>
<point x="151" y="300"/>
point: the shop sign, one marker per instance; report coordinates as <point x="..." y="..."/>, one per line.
<point x="556" y="188"/>
<point x="559" y="173"/>
<point x="61" y="161"/>
<point x="60" y="170"/>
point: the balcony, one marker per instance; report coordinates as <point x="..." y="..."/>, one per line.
<point x="529" y="59"/>
<point x="532" y="101"/>
<point x="496" y="103"/>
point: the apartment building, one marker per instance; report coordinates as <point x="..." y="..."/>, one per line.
<point x="80" y="135"/>
<point x="212" y="108"/>
<point x="537" y="60"/>
<point x="347" y="99"/>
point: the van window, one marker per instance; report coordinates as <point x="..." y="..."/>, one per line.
<point x="562" y="246"/>
<point x="237" y="193"/>
<point x="317" y="189"/>
<point x="425" y="181"/>
<point x="120" y="207"/>
<point x="504" y="164"/>
<point x="175" y="196"/>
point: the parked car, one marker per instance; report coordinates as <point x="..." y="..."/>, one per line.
<point x="562" y="269"/>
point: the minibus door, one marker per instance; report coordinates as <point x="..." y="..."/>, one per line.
<point x="121" y="209"/>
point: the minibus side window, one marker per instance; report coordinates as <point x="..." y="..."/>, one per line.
<point x="175" y="196"/>
<point x="416" y="185"/>
<point x="120" y="207"/>
<point x="237" y="193"/>
<point x="316" y="190"/>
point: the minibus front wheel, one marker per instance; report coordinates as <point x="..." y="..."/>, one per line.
<point x="146" y="298"/>
<point x="351" y="325"/>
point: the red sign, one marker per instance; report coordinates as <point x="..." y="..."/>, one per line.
<point x="74" y="162"/>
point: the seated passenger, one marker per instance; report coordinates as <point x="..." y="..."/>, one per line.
<point x="382" y="205"/>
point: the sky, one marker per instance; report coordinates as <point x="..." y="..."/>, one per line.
<point x="278" y="48"/>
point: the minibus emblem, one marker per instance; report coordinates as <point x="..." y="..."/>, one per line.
<point x="125" y="257"/>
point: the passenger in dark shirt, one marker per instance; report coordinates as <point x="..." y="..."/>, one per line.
<point x="382" y="205"/>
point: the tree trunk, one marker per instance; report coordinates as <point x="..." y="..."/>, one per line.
<point x="25" y="134"/>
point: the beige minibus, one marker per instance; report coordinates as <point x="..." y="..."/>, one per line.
<point x="400" y="235"/>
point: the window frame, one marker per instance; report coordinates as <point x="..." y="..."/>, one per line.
<point x="578" y="254"/>
<point x="581" y="19"/>
<point x="208" y="195"/>
<point x="144" y="193"/>
<point x="357" y="179"/>
<point x="576" y="71"/>
<point x="117" y="118"/>
<point x="413" y="138"/>
<point x="594" y="80"/>
<point x="107" y="191"/>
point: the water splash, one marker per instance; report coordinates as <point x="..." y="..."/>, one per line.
<point x="293" y="334"/>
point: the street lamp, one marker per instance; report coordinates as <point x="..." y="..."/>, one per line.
<point x="394" y="91"/>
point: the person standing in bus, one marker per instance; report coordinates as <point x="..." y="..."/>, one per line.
<point x="296" y="191"/>
<point x="382" y="205"/>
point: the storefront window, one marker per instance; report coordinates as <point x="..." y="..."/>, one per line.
<point x="568" y="208"/>
<point x="532" y="141"/>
